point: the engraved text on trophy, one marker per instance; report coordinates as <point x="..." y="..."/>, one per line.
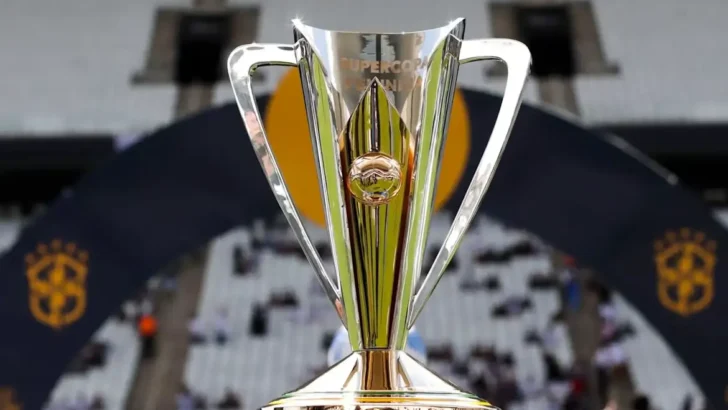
<point x="395" y="75"/>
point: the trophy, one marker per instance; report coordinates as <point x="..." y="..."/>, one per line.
<point x="378" y="107"/>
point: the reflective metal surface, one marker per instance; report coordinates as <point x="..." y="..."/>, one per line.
<point x="518" y="61"/>
<point x="378" y="107"/>
<point x="388" y="94"/>
<point x="385" y="378"/>
<point x="243" y="61"/>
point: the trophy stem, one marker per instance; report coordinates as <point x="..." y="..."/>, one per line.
<point x="379" y="370"/>
<point x="378" y="379"/>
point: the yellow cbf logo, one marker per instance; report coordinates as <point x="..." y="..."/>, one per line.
<point x="7" y="399"/>
<point x="685" y="263"/>
<point x="57" y="283"/>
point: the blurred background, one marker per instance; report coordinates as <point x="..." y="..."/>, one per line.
<point x="242" y="320"/>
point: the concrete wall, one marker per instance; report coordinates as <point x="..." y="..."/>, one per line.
<point x="66" y="66"/>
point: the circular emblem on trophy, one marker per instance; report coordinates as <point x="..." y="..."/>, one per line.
<point x="287" y="127"/>
<point x="374" y="178"/>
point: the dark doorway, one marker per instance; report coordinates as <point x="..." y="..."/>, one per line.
<point x="707" y="175"/>
<point x="547" y="32"/>
<point x="696" y="153"/>
<point x="28" y="188"/>
<point x="201" y="42"/>
<point x="35" y="170"/>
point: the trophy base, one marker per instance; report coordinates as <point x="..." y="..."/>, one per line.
<point x="378" y="379"/>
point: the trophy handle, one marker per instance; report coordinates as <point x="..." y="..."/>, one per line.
<point x="243" y="61"/>
<point x="517" y="58"/>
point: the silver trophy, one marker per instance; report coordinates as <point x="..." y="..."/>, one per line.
<point x="378" y="107"/>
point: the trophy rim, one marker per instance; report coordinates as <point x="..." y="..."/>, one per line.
<point x="298" y="24"/>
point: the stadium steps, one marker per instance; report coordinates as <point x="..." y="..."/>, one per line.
<point x="162" y="52"/>
<point x="193" y="98"/>
<point x="559" y="92"/>
<point x="589" y="52"/>
<point x="653" y="366"/>
<point x="583" y="329"/>
<point x="622" y="386"/>
<point x="158" y="380"/>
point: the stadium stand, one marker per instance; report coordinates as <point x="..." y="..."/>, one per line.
<point x="473" y="321"/>
<point x="294" y="336"/>
<point x="657" y="372"/>
<point x="95" y="91"/>
<point x="95" y="95"/>
<point x="677" y="32"/>
<point x="263" y="366"/>
<point x="259" y="367"/>
<point x="112" y="380"/>
<point x="97" y="80"/>
<point x="298" y="332"/>
<point x="102" y="86"/>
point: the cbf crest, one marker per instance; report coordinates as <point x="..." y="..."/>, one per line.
<point x="685" y="262"/>
<point x="56" y="276"/>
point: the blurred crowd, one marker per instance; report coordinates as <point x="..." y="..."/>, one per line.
<point x="488" y="373"/>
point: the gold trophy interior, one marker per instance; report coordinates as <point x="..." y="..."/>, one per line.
<point x="378" y="124"/>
